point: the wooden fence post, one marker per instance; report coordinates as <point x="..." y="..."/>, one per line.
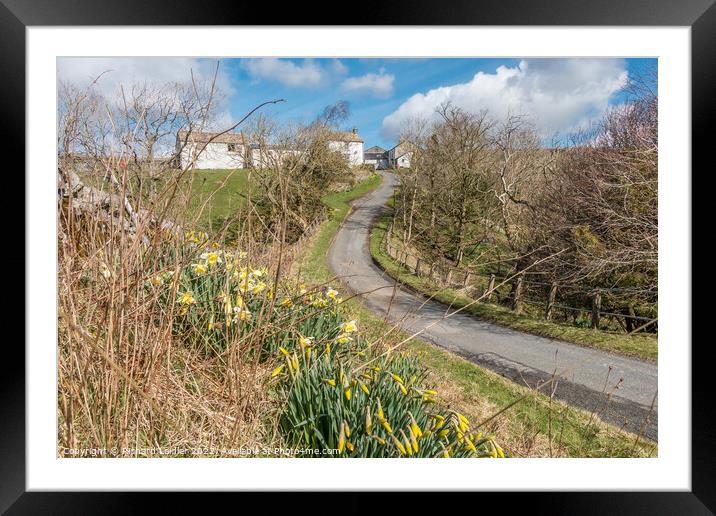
<point x="490" y="288"/>
<point x="517" y="299"/>
<point x="596" y="306"/>
<point x="550" y="301"/>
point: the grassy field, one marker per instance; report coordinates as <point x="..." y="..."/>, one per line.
<point x="217" y="194"/>
<point x="535" y="426"/>
<point x="639" y="346"/>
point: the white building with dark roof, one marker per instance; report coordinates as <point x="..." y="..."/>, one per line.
<point x="350" y="144"/>
<point x="202" y="150"/>
<point x="399" y="156"/>
<point x="212" y="150"/>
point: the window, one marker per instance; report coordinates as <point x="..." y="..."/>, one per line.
<point x="231" y="147"/>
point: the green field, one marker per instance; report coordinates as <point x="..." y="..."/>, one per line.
<point x="534" y="425"/>
<point x="639" y="346"/>
<point x="217" y="194"/>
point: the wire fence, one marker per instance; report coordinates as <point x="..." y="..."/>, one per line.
<point x="522" y="290"/>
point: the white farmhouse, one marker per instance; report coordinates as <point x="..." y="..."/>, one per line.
<point x="211" y="150"/>
<point x="232" y="150"/>
<point x="399" y="156"/>
<point x="349" y="144"/>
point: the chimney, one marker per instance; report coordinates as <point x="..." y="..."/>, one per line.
<point x="354" y="130"/>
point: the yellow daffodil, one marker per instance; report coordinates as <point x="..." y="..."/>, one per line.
<point x="305" y="341"/>
<point x="413" y="441"/>
<point x="287" y="302"/>
<point x="211" y="258"/>
<point x="244" y="315"/>
<point x="343" y="338"/>
<point x="187" y="298"/>
<point x="277" y="371"/>
<point x="294" y="361"/>
<point x="258" y="288"/>
<point x="381" y="416"/>
<point x="341" y="440"/>
<point x="331" y="294"/>
<point x="406" y="442"/>
<point x="349" y="327"/>
<point x="198" y="268"/>
<point x="470" y="446"/>
<point x="398" y="444"/>
<point x="330" y="382"/>
<point x="364" y="387"/>
<point x="414" y="426"/>
<point x="368" y="422"/>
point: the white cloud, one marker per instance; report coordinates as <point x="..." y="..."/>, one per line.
<point x="116" y="71"/>
<point x="339" y="67"/>
<point x="559" y="94"/>
<point x="288" y="73"/>
<point x="377" y="84"/>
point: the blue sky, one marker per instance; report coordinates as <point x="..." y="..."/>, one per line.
<point x="560" y="95"/>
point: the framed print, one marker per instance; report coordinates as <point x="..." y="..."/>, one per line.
<point x="411" y="242"/>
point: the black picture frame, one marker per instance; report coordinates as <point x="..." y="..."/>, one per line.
<point x="17" y="15"/>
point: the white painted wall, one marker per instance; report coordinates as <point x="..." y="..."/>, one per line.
<point x="378" y="164"/>
<point x="262" y="158"/>
<point x="215" y="155"/>
<point x="403" y="161"/>
<point x="353" y="151"/>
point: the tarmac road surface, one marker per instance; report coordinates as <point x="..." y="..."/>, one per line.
<point x="524" y="358"/>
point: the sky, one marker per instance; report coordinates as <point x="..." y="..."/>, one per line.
<point x="559" y="95"/>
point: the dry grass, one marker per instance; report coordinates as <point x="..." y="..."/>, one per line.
<point x="127" y="380"/>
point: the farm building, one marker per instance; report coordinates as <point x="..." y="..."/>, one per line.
<point x="233" y="150"/>
<point x="350" y="144"/>
<point x="399" y="156"/>
<point x="377" y="157"/>
<point x="212" y="150"/>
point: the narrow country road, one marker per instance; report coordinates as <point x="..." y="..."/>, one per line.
<point x="524" y="358"/>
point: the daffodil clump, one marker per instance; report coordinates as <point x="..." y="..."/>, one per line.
<point x="219" y="298"/>
<point x="340" y="398"/>
<point x="339" y="394"/>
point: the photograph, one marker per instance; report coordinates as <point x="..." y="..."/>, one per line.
<point x="357" y="257"/>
